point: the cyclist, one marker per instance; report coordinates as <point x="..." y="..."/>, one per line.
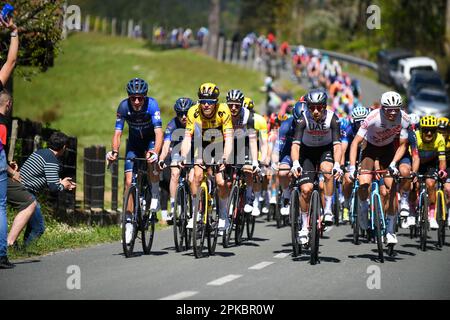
<point x="261" y="127"/>
<point x="172" y="137"/>
<point x="379" y="130"/>
<point x="317" y="142"/>
<point x="348" y="132"/>
<point x="444" y="129"/>
<point x="282" y="154"/>
<point x="145" y="136"/>
<point x="408" y="167"/>
<point x="431" y="145"/>
<point x="208" y="116"/>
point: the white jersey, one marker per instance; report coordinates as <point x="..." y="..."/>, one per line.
<point x="318" y="134"/>
<point x="379" y="131"/>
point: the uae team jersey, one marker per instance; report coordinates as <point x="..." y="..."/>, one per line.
<point x="379" y="131"/>
<point x="312" y="133"/>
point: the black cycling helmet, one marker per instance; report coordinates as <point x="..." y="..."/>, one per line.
<point x="182" y="105"/>
<point x="137" y="86"/>
<point x="317" y="97"/>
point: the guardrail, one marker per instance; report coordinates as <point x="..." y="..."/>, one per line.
<point x="348" y="58"/>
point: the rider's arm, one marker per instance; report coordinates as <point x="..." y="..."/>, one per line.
<point x="188" y="134"/>
<point x="228" y="133"/>
<point x="11" y="60"/>
<point x="344" y="147"/>
<point x="159" y="134"/>
<point x="354" y="149"/>
<point x="336" y="134"/>
<point x="165" y="150"/>
<point x="263" y="135"/>
<point x="298" y="136"/>
<point x="400" y="152"/>
<point x="441" y="154"/>
<point x="116" y="140"/>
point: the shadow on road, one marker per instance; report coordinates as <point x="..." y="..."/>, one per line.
<point x="139" y="254"/>
<point x="26" y="262"/>
<point x="305" y="257"/>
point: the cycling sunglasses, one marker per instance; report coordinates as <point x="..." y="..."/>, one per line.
<point x="234" y="105"/>
<point x="317" y="107"/>
<point x="429" y="130"/>
<point x="208" y="101"/>
<point x="182" y="114"/>
<point x="392" y="110"/>
<point x="139" y="98"/>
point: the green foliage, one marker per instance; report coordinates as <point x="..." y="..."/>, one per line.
<point x="40" y="24"/>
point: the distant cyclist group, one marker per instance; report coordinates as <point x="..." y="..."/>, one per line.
<point x="376" y="168"/>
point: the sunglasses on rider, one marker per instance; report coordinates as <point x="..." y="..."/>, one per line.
<point x="392" y="110"/>
<point x="429" y="130"/>
<point x="234" y="105"/>
<point x="139" y="98"/>
<point x="318" y="107"/>
<point x="182" y="114"/>
<point x="208" y="101"/>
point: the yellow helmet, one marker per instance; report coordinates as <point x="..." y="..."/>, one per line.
<point x="208" y="91"/>
<point x="249" y="104"/>
<point x="443" y="123"/>
<point x="429" y="122"/>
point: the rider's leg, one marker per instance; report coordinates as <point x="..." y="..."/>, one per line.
<point x="174" y="178"/>
<point x="153" y="175"/>
<point x="405" y="188"/>
<point x="284" y="178"/>
<point x="391" y="208"/>
<point x="347" y="187"/>
<point x="431" y="190"/>
<point x="328" y="187"/>
<point x="223" y="189"/>
<point x="249" y="192"/>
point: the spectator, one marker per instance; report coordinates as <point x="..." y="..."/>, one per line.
<point x="41" y="170"/>
<point x="5" y="108"/>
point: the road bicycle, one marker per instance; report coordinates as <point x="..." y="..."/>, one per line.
<point x="183" y="211"/>
<point x="136" y="209"/>
<point x="205" y="214"/>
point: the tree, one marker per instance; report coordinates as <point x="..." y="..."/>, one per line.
<point x="40" y="25"/>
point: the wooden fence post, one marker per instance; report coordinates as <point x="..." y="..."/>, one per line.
<point x="114" y="27"/>
<point x="114" y="186"/>
<point x="87" y="23"/>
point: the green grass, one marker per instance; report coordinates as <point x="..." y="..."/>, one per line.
<point x="58" y="236"/>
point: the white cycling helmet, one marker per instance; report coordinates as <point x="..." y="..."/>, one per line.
<point x="391" y="99"/>
<point x="414" y="119"/>
<point x="316" y="53"/>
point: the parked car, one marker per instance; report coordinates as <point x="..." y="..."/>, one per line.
<point x="430" y="101"/>
<point x="424" y="79"/>
<point x="409" y="65"/>
<point x="388" y="63"/>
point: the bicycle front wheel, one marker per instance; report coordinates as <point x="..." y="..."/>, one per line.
<point x="129" y="221"/>
<point x="232" y="215"/>
<point x="314" y="212"/>
<point x="294" y="216"/>
<point x="147" y="222"/>
<point x="378" y="231"/>
<point x="213" y="225"/>
<point x="199" y="225"/>
<point x="440" y="212"/>
<point x="423" y="223"/>
<point x="180" y="219"/>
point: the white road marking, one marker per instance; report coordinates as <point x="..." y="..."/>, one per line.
<point x="282" y="255"/>
<point x="261" y="265"/>
<point x="223" y="280"/>
<point x="181" y="295"/>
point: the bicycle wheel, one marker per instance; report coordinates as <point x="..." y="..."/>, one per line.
<point x="129" y="199"/>
<point x="199" y="226"/>
<point x="378" y="231"/>
<point x="251" y="220"/>
<point x="232" y="215"/>
<point x="179" y="220"/>
<point x="336" y="205"/>
<point x="314" y="212"/>
<point x="423" y="222"/>
<point x="147" y="222"/>
<point x="440" y="211"/>
<point x="213" y="225"/>
<point x="240" y="219"/>
<point x="355" y="217"/>
<point x="294" y="213"/>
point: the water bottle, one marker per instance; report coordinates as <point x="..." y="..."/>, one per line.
<point x="7" y="11"/>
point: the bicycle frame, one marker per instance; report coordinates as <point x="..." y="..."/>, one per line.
<point x="375" y="186"/>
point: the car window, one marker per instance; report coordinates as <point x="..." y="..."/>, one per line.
<point x="432" y="82"/>
<point x="424" y="68"/>
<point x="438" y="98"/>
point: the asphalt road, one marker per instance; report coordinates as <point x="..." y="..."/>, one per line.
<point x="260" y="269"/>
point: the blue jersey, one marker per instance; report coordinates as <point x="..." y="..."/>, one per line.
<point x="173" y="125"/>
<point x="285" y="137"/>
<point x="347" y="134"/>
<point x="142" y="124"/>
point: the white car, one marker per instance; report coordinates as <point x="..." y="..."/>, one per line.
<point x="407" y="66"/>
